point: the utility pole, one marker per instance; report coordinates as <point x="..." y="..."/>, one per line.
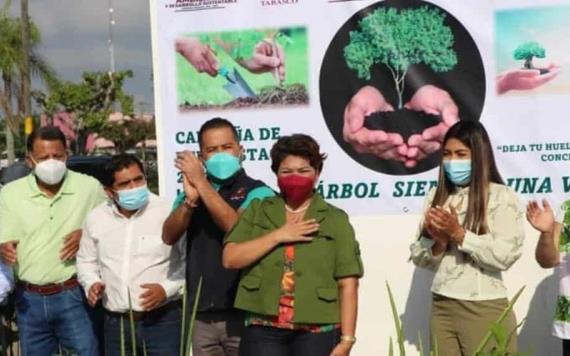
<point x="110" y="43"/>
<point x="26" y="109"/>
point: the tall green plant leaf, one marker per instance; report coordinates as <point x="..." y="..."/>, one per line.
<point x="132" y="323"/>
<point x="420" y="344"/>
<point x="123" y="351"/>
<point x="435" y="347"/>
<point x="144" y="348"/>
<point x="193" y="317"/>
<point x="502" y="317"/>
<point x="397" y="323"/>
<point x="183" y="325"/>
<point x="500" y="334"/>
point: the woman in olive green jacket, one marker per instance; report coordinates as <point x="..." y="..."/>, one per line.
<point x="300" y="263"/>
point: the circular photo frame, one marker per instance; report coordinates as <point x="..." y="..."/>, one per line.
<point x="394" y="78"/>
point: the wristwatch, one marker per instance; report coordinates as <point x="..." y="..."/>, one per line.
<point x="348" y="338"/>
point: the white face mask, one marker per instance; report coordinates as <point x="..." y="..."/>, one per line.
<point x="50" y="171"/>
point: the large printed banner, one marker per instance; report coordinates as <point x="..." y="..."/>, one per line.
<point x="377" y="83"/>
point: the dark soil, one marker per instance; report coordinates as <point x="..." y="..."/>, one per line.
<point x="404" y="121"/>
<point x="295" y="94"/>
<point x="542" y="70"/>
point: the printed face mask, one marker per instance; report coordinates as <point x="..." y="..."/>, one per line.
<point x="458" y="171"/>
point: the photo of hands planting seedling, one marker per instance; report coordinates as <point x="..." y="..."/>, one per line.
<point x="249" y="68"/>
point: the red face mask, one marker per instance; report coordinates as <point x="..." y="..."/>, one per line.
<point x="296" y="188"/>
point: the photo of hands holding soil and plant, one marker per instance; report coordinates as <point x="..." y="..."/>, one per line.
<point x="404" y="72"/>
<point x="249" y="68"/>
<point x="531" y="50"/>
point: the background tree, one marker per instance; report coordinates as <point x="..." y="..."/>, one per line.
<point x="92" y="101"/>
<point x="399" y="39"/>
<point x="127" y="133"/>
<point x="528" y="51"/>
<point x="12" y="99"/>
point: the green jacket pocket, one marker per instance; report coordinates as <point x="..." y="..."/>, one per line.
<point x="327" y="294"/>
<point x="251" y="283"/>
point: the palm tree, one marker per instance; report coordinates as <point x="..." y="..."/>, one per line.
<point x="11" y="72"/>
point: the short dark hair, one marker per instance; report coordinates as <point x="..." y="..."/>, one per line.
<point x="297" y="145"/>
<point x="216" y="123"/>
<point x="118" y="163"/>
<point x="46" y="133"/>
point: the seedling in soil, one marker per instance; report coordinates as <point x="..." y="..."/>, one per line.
<point x="528" y="51"/>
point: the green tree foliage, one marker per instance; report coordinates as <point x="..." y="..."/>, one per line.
<point x="91" y="100"/>
<point x="528" y="51"/>
<point x="11" y="57"/>
<point x="562" y="312"/>
<point x="125" y="134"/>
<point x="399" y="39"/>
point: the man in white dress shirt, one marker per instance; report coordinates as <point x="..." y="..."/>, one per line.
<point x="6" y="282"/>
<point x="122" y="253"/>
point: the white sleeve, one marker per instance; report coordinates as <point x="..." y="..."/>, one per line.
<point x="6" y="281"/>
<point x="501" y="247"/>
<point x="174" y="283"/>
<point x="421" y="248"/>
<point x="87" y="260"/>
<point x="560" y="214"/>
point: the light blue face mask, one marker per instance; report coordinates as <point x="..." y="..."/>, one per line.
<point x="458" y="171"/>
<point x="133" y="199"/>
<point x="222" y="165"/>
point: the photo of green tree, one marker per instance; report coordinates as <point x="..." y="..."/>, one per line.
<point x="416" y="36"/>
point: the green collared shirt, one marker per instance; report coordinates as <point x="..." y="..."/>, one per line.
<point x="40" y="223"/>
<point x="332" y="254"/>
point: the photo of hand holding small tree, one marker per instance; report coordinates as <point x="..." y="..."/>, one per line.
<point x="530" y="55"/>
<point x="399" y="39"/>
<point x="529" y="76"/>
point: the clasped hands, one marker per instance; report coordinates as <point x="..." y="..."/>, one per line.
<point x="390" y="145"/>
<point x="192" y="171"/>
<point x="443" y="226"/>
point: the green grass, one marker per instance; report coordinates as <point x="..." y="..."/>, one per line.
<point x="200" y="89"/>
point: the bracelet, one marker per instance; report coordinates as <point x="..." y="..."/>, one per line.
<point x="190" y="205"/>
<point x="348" y="338"/>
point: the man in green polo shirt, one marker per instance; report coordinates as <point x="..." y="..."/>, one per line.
<point x="40" y="228"/>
